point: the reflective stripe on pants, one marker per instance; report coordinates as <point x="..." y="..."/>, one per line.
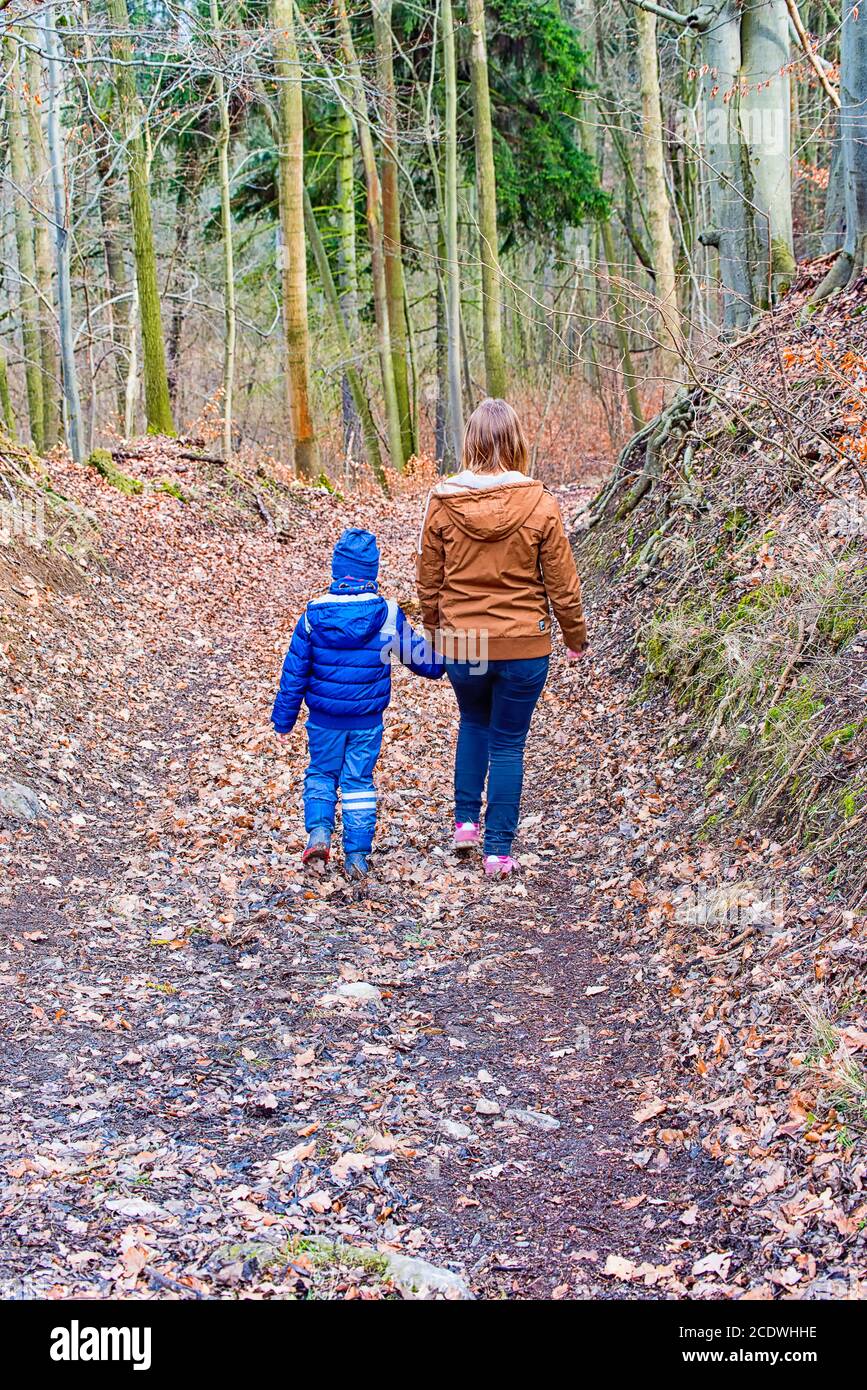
<point x="343" y="758"/>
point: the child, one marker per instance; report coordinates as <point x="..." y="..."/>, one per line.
<point x="339" y="663"/>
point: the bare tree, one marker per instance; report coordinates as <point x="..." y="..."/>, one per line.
<point x="453" y="266"/>
<point x="226" y="229"/>
<point x="41" y="196"/>
<point x="158" y="409"/>
<point x="746" y="147"/>
<point x="74" y="429"/>
<point x="851" y="168"/>
<point x="658" y="207"/>
<point x="347" y="259"/>
<point x="391" y="228"/>
<point x="96" y="104"/>
<point x="290" y="153"/>
<point x="486" y="192"/>
<point x="361" y="116"/>
<point x="353" y="376"/>
<point x="28" y="299"/>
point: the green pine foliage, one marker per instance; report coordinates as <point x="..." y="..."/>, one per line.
<point x="538" y="72"/>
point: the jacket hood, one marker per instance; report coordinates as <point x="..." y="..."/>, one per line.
<point x="346" y="620"/>
<point x="489" y="506"/>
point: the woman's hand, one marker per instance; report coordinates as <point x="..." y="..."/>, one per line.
<point x="576" y="656"/>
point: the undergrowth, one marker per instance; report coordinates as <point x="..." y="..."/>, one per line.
<point x="34" y="513"/>
<point x="740" y="549"/>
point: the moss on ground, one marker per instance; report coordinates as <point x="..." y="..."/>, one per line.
<point x="171" y="489"/>
<point x="764" y="673"/>
<point x="106" y="467"/>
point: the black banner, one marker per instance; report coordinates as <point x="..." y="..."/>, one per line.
<point x="81" y="1342"/>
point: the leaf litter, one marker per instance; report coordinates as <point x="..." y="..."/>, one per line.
<point x="227" y="1076"/>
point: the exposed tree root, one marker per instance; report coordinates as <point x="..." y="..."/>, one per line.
<point x="843" y="274"/>
<point x="669" y="427"/>
<point x="599" y="507"/>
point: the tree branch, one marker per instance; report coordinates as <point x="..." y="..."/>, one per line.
<point x="699" y="19"/>
<point x="671" y="15"/>
<point x="812" y="58"/>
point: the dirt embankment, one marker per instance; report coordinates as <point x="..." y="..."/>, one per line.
<point x="732" y="537"/>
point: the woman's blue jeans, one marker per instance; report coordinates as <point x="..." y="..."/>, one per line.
<point x="496" y="707"/>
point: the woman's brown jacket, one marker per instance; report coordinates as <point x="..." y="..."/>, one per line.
<point x="492" y="556"/>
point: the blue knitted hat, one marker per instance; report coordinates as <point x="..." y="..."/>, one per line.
<point x="356" y="556"/>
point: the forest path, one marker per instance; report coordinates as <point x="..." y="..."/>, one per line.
<point x="192" y="1107"/>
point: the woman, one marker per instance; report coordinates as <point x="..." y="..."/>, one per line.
<point x="492" y="554"/>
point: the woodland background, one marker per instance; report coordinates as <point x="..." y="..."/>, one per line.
<point x="333" y="227"/>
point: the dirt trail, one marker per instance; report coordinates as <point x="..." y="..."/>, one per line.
<point x="190" y="1108"/>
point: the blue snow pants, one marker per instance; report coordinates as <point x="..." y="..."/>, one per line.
<point x="343" y="758"/>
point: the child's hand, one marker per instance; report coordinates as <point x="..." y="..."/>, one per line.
<point x="282" y="736"/>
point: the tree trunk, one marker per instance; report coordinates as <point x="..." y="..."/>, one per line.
<point x="375" y="234"/>
<point x="442" y="451"/>
<point x="392" y="238"/>
<point x="117" y="310"/>
<point x="658" y="210"/>
<point x="765" y="116"/>
<point x="748" y="137"/>
<point x="119" y="288"/>
<point x="189" y="173"/>
<point x="228" y="248"/>
<point x="130" y="392"/>
<point x="486" y="192"/>
<point x="592" y="122"/>
<point x="453" y="269"/>
<point x="347" y="265"/>
<point x="178" y="313"/>
<point x="74" y="428"/>
<point x="28" y="301"/>
<point x="853" y="139"/>
<point x="630" y="381"/>
<point x="290" y="115"/>
<point x="412" y="350"/>
<point x="7" y="417"/>
<point x="853" y="119"/>
<point x="158" y="408"/>
<point x="347" y="350"/>
<point x="42" y="247"/>
<point x="734" y="232"/>
<point x="834" y="227"/>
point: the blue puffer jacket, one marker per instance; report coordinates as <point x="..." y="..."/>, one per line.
<point x="339" y="660"/>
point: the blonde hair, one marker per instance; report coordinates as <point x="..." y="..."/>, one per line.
<point x="494" y="439"/>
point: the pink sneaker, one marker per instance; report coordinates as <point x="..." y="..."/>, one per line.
<point x="466" y="834"/>
<point x="498" y="865"/>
